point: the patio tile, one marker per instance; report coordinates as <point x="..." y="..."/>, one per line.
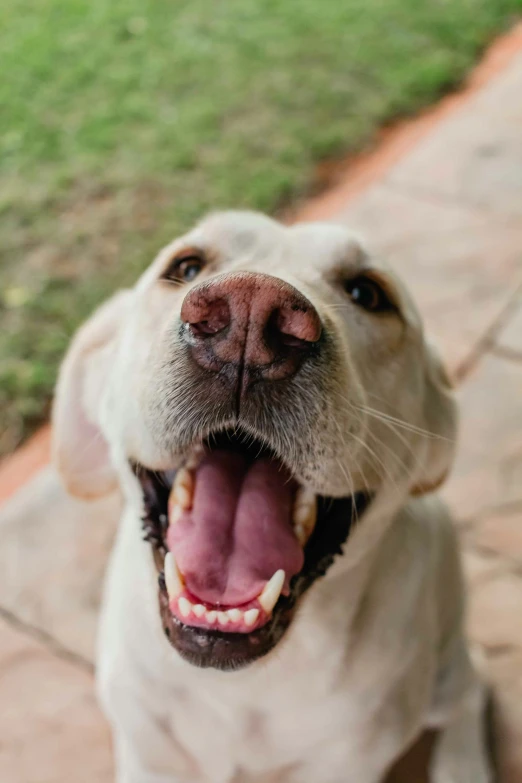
<point x="52" y="559"/>
<point x="488" y="468"/>
<point x="50" y="726"/>
<point x="475" y="157"/>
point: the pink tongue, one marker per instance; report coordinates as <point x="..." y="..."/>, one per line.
<point x="238" y="533"/>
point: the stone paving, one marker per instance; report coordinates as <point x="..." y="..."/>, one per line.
<point x="448" y="215"/>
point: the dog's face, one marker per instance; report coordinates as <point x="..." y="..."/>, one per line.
<point x="256" y="391"/>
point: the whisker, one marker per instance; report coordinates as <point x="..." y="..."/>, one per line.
<point x="386" y="417"/>
<point x="397" y="459"/>
<point x="379" y="461"/>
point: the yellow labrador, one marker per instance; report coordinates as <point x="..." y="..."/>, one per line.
<point x="267" y="401"/>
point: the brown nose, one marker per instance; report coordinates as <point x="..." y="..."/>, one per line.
<point x="250" y="324"/>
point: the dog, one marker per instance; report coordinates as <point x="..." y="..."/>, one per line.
<point x="284" y="602"/>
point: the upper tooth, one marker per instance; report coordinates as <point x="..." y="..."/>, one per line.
<point x="304" y="501"/>
<point x="305" y="514"/>
<point x="175" y="512"/>
<point x="272" y="591"/>
<point x="173" y="578"/>
<point x="183" y="488"/>
<point x="301" y="534"/>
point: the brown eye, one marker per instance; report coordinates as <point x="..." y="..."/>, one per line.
<point x="185" y="269"/>
<point x="368" y="294"/>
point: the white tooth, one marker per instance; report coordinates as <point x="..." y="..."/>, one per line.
<point x="199" y="610"/>
<point x="235" y="615"/>
<point x="304" y="505"/>
<point x="272" y="590"/>
<point x="210" y="616"/>
<point x="304" y="497"/>
<point x="222" y="618"/>
<point x="301" y="534"/>
<point x="305" y="514"/>
<point x="185" y="607"/>
<point x="251" y="616"/>
<point x="183" y="488"/>
<point x="183" y="498"/>
<point x="173" y="578"/>
<point x="175" y="512"/>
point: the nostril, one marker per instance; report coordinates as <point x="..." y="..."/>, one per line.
<point x="293" y="342"/>
<point x="208" y="319"/>
<point x="298" y="324"/>
<point x="204" y="328"/>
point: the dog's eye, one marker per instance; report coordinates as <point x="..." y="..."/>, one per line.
<point x="185" y="268"/>
<point x="366" y="292"/>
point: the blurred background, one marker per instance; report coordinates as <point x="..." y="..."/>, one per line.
<point x="121" y="124"/>
<point x="124" y="122"/>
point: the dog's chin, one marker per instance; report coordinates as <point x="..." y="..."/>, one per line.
<point x="236" y="543"/>
<point x="226" y="651"/>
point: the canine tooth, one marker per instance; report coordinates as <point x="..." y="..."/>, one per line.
<point x="271" y="591"/>
<point x="185" y="607"/>
<point x="235" y="615"/>
<point x="183" y="488"/>
<point x="251" y="616"/>
<point x="223" y="618"/>
<point x="211" y="616"/>
<point x="173" y="578"/>
<point x="199" y="610"/>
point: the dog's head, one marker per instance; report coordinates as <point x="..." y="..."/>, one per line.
<point x="257" y="392"/>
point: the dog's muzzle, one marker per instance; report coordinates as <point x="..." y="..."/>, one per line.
<point x="237" y="537"/>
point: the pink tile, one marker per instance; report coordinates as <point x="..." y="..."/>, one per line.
<point x="52" y="559"/>
<point x="510" y="339"/>
<point x="475" y="155"/>
<point x="51" y="728"/>
<point x="488" y="468"/>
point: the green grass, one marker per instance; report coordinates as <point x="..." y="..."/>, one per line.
<point x="123" y="121"/>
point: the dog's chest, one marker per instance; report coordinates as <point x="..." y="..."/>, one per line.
<point x="265" y="741"/>
<point x="297" y="728"/>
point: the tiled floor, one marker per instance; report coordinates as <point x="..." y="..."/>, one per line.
<point x="448" y="215"/>
<point x="50" y="726"/>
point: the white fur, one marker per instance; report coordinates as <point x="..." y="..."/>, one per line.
<point x="376" y="654"/>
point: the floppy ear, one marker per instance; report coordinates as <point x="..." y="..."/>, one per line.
<point x="440" y="416"/>
<point x="80" y="451"/>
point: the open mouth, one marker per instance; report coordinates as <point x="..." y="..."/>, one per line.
<point x="236" y="543"/>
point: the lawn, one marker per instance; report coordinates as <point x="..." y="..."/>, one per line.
<point x="124" y="121"/>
